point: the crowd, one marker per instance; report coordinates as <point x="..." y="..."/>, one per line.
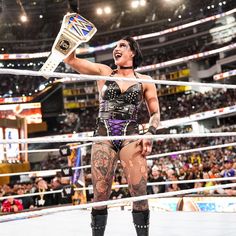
<point x="18" y="86"/>
<point x="211" y="164"/>
<point x="190" y="166"/>
<point x="14" y="191"/>
<point x="181" y="105"/>
<point x="171" y="106"/>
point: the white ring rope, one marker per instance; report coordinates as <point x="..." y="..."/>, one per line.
<point x="31" y="194"/>
<point x="126" y="185"/>
<point x="52" y="150"/>
<point x="168" y="182"/>
<point x="148" y="157"/>
<point x="106" y="138"/>
<point x="40" y="173"/>
<point x="36" y="151"/>
<point x="42" y="212"/>
<point x="68" y="77"/>
<point x="191" y="150"/>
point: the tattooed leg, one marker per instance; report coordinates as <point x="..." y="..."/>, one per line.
<point x="104" y="160"/>
<point x="135" y="169"/>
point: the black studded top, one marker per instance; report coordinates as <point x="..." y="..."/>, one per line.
<point x="120" y="105"/>
<point x="118" y="111"/>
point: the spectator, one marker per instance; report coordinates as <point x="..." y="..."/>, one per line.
<point x="228" y="170"/>
<point x="156" y="176"/>
<point x="27" y="201"/>
<point x="42" y="199"/>
<point x="174" y="186"/>
<point x="11" y="205"/>
<point x="117" y="192"/>
<point x="59" y="198"/>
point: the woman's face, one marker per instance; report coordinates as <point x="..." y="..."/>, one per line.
<point x="122" y="54"/>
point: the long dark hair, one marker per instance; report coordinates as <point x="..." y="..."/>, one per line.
<point x="138" y="57"/>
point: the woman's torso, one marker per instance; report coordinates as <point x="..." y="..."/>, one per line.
<point x="118" y="110"/>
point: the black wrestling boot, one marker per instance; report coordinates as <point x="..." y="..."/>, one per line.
<point x="99" y="222"/>
<point x="141" y="222"/>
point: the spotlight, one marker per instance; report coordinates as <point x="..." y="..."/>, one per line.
<point x="99" y="11"/>
<point x="24" y="18"/>
<point x="142" y="3"/>
<point x="107" y="10"/>
<point x="134" y="4"/>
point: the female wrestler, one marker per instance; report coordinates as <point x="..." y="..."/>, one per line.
<point x="119" y="104"/>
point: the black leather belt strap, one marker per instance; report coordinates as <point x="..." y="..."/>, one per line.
<point x="114" y="115"/>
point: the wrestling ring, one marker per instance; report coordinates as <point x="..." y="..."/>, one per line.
<point x="75" y="220"/>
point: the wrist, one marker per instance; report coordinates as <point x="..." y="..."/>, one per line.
<point x="152" y="130"/>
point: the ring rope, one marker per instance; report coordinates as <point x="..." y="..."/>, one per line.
<point x="31" y="194"/>
<point x="168" y="182"/>
<point x="52" y="150"/>
<point x="106" y="138"/>
<point x="42" y="172"/>
<point x="126" y="185"/>
<point x="68" y="77"/>
<point x="191" y="150"/>
<point x="25" y="215"/>
<point x="148" y="157"/>
<point x="33" y="173"/>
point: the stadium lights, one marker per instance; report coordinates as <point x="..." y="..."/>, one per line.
<point x="99" y="11"/>
<point x="138" y="3"/>
<point x="142" y="3"/>
<point x="23" y="18"/>
<point x="176" y="2"/>
<point x="106" y="10"/>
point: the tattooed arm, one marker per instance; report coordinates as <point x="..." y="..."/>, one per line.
<point x="154" y="122"/>
<point x="150" y="94"/>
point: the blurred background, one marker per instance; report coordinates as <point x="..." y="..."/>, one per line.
<point x="181" y="40"/>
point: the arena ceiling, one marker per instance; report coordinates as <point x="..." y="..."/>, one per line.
<point x="44" y="17"/>
<point x="11" y="9"/>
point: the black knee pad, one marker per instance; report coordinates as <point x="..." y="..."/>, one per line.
<point x="96" y="212"/>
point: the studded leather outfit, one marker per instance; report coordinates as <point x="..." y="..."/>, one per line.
<point x="118" y="112"/>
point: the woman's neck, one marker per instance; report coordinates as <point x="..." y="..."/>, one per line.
<point x="126" y="67"/>
<point x="126" y="73"/>
<point x="125" y="70"/>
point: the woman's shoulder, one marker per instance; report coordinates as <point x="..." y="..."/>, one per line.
<point x="143" y="76"/>
<point x="105" y="70"/>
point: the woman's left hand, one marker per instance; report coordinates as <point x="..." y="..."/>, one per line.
<point x="146" y="145"/>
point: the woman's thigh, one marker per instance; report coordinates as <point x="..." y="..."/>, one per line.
<point x="135" y="169"/>
<point x="103" y="163"/>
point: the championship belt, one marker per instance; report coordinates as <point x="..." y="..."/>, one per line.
<point x="75" y="30"/>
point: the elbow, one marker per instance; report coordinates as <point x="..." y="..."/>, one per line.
<point x="70" y="59"/>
